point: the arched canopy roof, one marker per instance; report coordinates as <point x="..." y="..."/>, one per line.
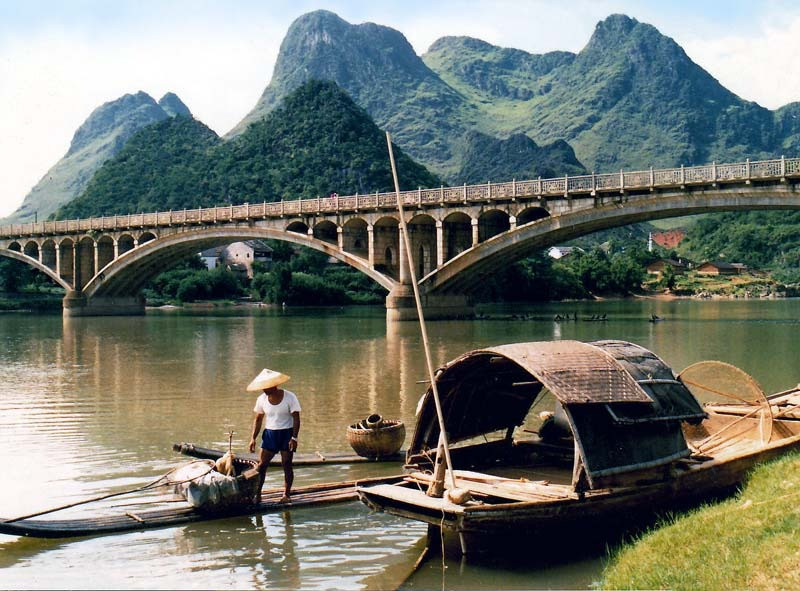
<point x="612" y="391"/>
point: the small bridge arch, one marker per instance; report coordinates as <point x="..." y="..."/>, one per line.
<point x="32" y="262"/>
<point x="129" y="272"/>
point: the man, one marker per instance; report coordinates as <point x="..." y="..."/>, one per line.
<point x="282" y="411"/>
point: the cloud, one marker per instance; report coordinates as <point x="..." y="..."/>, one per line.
<point x="760" y="66"/>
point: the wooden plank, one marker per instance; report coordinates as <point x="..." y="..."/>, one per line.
<point x="488" y="490"/>
<point x="496" y="486"/>
<point x="409" y="496"/>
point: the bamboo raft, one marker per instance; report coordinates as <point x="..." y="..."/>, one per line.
<point x="307" y="496"/>
<point x="316" y="459"/>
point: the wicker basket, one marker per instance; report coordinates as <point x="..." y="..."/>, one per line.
<point x="383" y="440"/>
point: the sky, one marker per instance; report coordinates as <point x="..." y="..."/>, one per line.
<point x="60" y="59"/>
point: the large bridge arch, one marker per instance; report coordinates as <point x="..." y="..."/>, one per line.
<point x="18" y="256"/>
<point x="465" y="271"/>
<point x="127" y="274"/>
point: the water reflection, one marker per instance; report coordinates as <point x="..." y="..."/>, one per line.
<point x="280" y="566"/>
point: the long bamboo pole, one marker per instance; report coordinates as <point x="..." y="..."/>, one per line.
<point x="443" y="443"/>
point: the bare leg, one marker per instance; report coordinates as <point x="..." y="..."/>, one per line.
<point x="264" y="458"/>
<point x="288" y="474"/>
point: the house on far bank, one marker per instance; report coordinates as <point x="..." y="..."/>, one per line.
<point x="657" y="267"/>
<point x="720" y="268"/>
<point x="239" y="256"/>
<point x="212" y="257"/>
<point x="559" y="252"/>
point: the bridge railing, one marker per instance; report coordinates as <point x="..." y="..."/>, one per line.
<point x="541" y="188"/>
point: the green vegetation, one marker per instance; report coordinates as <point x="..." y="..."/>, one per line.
<point x="580" y="275"/>
<point x="768" y="241"/>
<point x="304" y="278"/>
<point x="24" y="288"/>
<point x="747" y="542"/>
<point x="162" y="167"/>
<point x="486" y="158"/>
<point x="307" y="278"/>
<point x="316" y="143"/>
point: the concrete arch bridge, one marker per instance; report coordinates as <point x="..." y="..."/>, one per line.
<point x="458" y="234"/>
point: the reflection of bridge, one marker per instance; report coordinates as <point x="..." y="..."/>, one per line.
<point x="458" y="234"/>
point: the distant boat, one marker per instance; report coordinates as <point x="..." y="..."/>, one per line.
<point x="597" y="318"/>
<point x="654" y="318"/>
<point x="625" y="438"/>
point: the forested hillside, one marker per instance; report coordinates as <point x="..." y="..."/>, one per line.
<point x="319" y="141"/>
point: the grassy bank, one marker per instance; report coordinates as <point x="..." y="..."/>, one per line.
<point x="748" y="542"/>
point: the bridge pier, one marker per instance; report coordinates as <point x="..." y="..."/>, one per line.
<point x="77" y="304"/>
<point x="400" y="305"/>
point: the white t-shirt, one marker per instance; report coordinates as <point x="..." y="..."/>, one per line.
<point x="279" y="416"/>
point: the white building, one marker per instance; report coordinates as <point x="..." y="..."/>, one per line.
<point x="559" y="252"/>
<point x="239" y="255"/>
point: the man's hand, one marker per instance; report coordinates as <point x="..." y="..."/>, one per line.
<point x="252" y="446"/>
<point x="293" y="445"/>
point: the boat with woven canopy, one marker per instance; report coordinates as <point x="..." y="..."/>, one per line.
<point x="623" y="436"/>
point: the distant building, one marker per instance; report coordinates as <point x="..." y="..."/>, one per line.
<point x="212" y="256"/>
<point x="720" y="268"/>
<point x="238" y="256"/>
<point x="559" y="252"/>
<point x="657" y="267"/>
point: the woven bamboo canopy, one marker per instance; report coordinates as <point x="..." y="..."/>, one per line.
<point x="623" y="403"/>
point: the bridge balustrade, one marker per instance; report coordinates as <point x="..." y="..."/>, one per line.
<point x="556" y="186"/>
<point x="607" y="182"/>
<point x="452" y="194"/>
<point x="730" y="172"/>
<point x="581" y="184"/>
<point x="430" y="196"/>
<point x="639" y="179"/>
<point x="667" y="178"/>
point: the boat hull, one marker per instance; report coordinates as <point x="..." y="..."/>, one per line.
<point x="689" y="484"/>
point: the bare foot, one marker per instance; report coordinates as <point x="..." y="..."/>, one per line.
<point x="284" y="499"/>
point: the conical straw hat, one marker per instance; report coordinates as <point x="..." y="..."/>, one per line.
<point x="267" y="379"/>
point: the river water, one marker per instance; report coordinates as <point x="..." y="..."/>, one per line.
<point x="90" y="406"/>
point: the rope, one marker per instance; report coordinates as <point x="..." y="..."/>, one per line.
<point x="748" y="504"/>
<point x="148" y="486"/>
<point x="441" y="537"/>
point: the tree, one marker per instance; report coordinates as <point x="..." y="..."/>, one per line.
<point x="282" y="283"/>
<point x="668" y="278"/>
<point x="626" y="274"/>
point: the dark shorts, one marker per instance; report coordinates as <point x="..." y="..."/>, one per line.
<point x="277" y="439"/>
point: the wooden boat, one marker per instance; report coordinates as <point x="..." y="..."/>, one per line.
<point x="625" y="438"/>
<point x="174" y="513"/>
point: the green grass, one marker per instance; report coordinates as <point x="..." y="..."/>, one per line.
<point x="748" y="542"/>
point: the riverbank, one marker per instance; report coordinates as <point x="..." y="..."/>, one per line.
<point x="30" y="302"/>
<point x="747" y="542"/>
<point x="748" y="285"/>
